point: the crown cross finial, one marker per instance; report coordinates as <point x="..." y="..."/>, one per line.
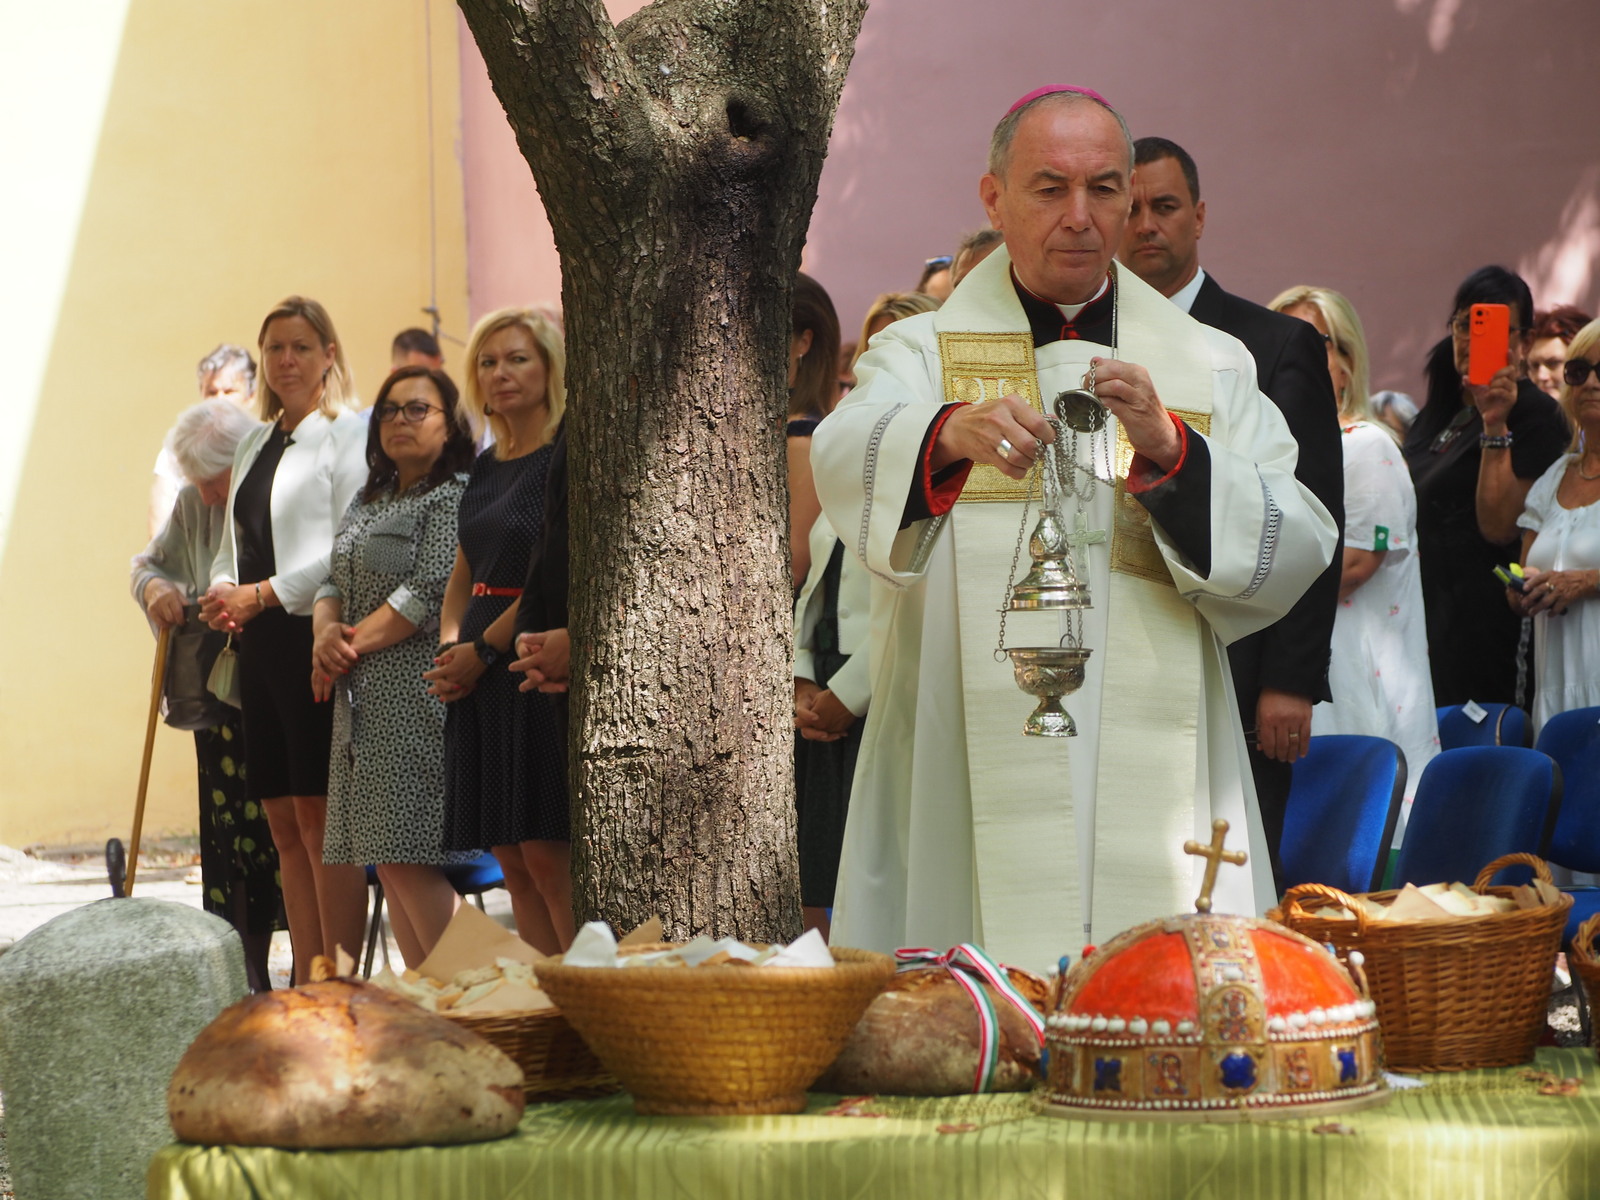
<point x="1215" y="856"/>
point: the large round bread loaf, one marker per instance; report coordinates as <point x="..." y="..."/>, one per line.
<point x="340" y="1064"/>
<point x="920" y="1038"/>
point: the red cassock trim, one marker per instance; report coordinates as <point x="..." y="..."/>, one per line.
<point x="1142" y="473"/>
<point x="941" y="499"/>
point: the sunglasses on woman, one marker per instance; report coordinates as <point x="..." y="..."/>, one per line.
<point x="1576" y="370"/>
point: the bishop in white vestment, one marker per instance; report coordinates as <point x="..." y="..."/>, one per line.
<point x="960" y="828"/>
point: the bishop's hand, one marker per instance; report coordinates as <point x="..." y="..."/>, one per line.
<point x="999" y="432"/>
<point x="1127" y="391"/>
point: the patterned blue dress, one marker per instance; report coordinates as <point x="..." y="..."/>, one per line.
<point x="503" y="766"/>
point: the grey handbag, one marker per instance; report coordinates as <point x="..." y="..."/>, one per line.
<point x="192" y="653"/>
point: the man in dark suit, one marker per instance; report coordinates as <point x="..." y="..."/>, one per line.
<point x="1281" y="671"/>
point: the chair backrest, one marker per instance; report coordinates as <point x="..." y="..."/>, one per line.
<point x="1572" y="738"/>
<point x="1475" y="804"/>
<point x="1505" y="725"/>
<point x="1341" y="814"/>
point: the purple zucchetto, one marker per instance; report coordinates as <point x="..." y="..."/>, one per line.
<point x="1058" y="87"/>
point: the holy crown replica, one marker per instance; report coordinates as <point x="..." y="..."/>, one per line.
<point x="1210" y="1018"/>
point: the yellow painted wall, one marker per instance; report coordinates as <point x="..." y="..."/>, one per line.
<point x="248" y="150"/>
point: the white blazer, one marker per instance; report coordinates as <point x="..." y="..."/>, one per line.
<point x="322" y="469"/>
<point x="852" y="683"/>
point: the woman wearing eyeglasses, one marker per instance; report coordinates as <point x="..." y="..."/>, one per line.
<point x="1561" y="547"/>
<point x="376" y="623"/>
<point x="1474" y="451"/>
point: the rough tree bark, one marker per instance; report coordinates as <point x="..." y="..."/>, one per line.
<point x="677" y="155"/>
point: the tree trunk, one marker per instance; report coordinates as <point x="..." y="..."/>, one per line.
<point x="677" y="155"/>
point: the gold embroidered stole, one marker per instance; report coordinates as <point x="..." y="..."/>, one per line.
<point x="1150" y="764"/>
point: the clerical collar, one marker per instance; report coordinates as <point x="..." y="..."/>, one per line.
<point x="1184" y="296"/>
<point x="1090" y="322"/>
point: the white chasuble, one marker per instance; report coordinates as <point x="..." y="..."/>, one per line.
<point x="961" y="828"/>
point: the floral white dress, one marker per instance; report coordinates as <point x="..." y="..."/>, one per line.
<point x="1379" y="675"/>
<point x="1566" y="649"/>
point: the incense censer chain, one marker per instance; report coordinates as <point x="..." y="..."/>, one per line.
<point x="1051" y="585"/>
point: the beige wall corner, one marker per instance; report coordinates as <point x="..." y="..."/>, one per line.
<point x="231" y="154"/>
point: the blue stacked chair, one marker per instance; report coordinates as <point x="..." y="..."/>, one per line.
<point x="1343" y="805"/>
<point x="1474" y="805"/>
<point x="1572" y="739"/>
<point x="471" y="879"/>
<point x="1504" y="725"/>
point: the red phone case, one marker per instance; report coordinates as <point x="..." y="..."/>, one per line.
<point x="1489" y="345"/>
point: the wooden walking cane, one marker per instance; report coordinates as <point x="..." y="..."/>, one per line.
<point x="157" y="680"/>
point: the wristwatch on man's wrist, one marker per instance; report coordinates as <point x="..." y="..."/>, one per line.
<point x="487" y="654"/>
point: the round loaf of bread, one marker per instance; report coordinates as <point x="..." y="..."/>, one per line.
<point x="340" y="1064"/>
<point x="920" y="1037"/>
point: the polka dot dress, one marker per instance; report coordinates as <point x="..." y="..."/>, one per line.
<point x="504" y="779"/>
<point x="386" y="790"/>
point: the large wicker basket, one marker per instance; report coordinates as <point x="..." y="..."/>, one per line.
<point x="690" y="1041"/>
<point x="1451" y="995"/>
<point x="556" y="1063"/>
<point x="1586" y="962"/>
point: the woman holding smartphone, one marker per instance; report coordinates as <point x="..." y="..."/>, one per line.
<point x="1474" y="452"/>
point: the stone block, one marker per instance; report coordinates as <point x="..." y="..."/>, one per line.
<point x="96" y="1008"/>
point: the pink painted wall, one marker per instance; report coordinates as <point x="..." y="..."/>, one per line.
<point x="511" y="253"/>
<point x="1384" y="149"/>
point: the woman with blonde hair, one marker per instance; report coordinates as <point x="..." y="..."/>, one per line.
<point x="889" y="308"/>
<point x="1561" y="547"/>
<point x="292" y="480"/>
<point x="1379" y="674"/>
<point x="505" y="787"/>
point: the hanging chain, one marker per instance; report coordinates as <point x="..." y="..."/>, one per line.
<point x="1057" y="469"/>
<point x="1022" y="536"/>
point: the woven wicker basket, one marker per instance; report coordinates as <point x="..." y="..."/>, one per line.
<point x="555" y="1062"/>
<point x="1586" y="962"/>
<point x="1451" y="995"/>
<point x="689" y="1041"/>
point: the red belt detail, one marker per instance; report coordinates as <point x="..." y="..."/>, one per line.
<point x="483" y="589"/>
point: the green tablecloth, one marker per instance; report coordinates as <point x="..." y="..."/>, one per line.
<point x="1482" y="1135"/>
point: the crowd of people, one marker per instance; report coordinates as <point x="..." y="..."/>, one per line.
<point x="365" y="572"/>
<point x="391" y="582"/>
<point x="1430" y="498"/>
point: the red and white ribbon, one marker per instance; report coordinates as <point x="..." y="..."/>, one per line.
<point x="969" y="965"/>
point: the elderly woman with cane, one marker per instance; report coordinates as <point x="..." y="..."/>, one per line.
<point x="238" y="864"/>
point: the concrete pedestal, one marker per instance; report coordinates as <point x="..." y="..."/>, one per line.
<point x="96" y="1008"/>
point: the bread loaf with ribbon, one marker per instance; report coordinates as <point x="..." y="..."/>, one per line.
<point x="925" y="1035"/>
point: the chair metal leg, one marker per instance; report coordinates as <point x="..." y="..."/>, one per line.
<point x="374" y="930"/>
<point x="1585" y="1020"/>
